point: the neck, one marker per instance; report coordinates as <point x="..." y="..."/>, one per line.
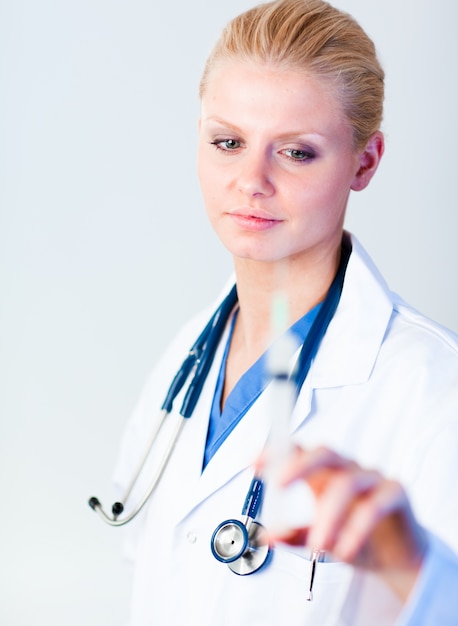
<point x="303" y="285"/>
<point x="257" y="283"/>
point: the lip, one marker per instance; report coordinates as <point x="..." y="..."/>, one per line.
<point x="254" y="220"/>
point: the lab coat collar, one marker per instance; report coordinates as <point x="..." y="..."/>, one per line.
<point x="350" y="347"/>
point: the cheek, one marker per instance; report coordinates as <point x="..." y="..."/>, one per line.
<point x="208" y="190"/>
<point x="322" y="203"/>
<point x="205" y="173"/>
<point x="334" y="189"/>
<point x="212" y="189"/>
<point x="200" y="167"/>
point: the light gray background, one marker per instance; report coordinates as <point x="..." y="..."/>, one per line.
<point x="105" y="250"/>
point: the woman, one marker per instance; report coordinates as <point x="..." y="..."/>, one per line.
<point x="290" y="124"/>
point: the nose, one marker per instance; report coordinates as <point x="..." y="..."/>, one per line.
<point x="255" y="176"/>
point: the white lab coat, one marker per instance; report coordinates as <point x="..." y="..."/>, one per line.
<point x="383" y="390"/>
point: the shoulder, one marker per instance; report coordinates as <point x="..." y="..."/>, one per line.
<point x="419" y="358"/>
<point x="168" y="364"/>
<point x="413" y="330"/>
<point x="375" y="334"/>
<point x="158" y="382"/>
<point x="399" y="321"/>
<point x="187" y="335"/>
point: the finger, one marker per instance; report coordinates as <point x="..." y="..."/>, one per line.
<point x="340" y="491"/>
<point x="311" y="465"/>
<point x="294" y="537"/>
<point x="380" y="530"/>
<point x="381" y="534"/>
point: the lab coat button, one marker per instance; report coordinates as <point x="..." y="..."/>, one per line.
<point x="192" y="537"/>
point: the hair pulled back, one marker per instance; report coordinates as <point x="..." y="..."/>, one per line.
<point x="310" y="36"/>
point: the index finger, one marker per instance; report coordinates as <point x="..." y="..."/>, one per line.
<point x="314" y="466"/>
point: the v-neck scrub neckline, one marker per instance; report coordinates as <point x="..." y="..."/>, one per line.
<point x="250" y="386"/>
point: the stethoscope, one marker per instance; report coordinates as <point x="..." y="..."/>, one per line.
<point x="242" y="545"/>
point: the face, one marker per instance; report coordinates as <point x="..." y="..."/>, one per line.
<point x="276" y="163"/>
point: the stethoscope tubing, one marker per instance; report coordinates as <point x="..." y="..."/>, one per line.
<point x="119" y="506"/>
<point x="205" y="347"/>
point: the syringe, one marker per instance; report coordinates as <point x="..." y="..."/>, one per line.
<point x="284" y="508"/>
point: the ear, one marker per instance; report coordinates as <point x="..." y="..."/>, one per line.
<point x="369" y="160"/>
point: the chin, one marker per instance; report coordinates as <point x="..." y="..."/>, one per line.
<point x="258" y="257"/>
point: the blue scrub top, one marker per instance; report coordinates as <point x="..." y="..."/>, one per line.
<point x="246" y="391"/>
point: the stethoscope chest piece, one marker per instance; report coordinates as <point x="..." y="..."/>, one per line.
<point x="244" y="548"/>
<point x="257" y="553"/>
<point x="229" y="541"/>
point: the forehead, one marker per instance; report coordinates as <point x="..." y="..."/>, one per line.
<point x="266" y="94"/>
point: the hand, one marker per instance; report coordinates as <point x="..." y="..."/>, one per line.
<point x="360" y="517"/>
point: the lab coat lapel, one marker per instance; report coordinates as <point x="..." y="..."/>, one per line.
<point x="240" y="450"/>
<point x="350" y="346"/>
<point x="237" y="452"/>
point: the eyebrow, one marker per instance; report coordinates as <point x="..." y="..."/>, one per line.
<point x="221" y="122"/>
<point x="289" y="134"/>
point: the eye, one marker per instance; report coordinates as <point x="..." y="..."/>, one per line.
<point x="227" y="145"/>
<point x="297" y="154"/>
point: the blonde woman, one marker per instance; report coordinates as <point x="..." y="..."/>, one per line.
<point x="291" y="107"/>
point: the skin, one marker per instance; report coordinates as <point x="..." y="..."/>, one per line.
<point x="276" y="163"/>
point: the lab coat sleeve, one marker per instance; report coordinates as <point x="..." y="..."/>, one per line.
<point x="434" y="599"/>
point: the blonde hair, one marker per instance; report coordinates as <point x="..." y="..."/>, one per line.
<point x="310" y="36"/>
